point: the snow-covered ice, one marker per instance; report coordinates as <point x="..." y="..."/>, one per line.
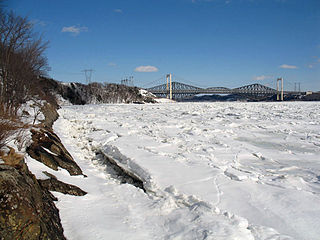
<point x="210" y="171"/>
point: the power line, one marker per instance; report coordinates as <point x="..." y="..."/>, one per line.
<point x="154" y="81"/>
<point x="190" y="82"/>
<point x="297" y="87"/>
<point x="68" y="73"/>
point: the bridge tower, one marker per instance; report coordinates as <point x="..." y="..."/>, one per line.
<point x="278" y="91"/>
<point x="169" y="85"/>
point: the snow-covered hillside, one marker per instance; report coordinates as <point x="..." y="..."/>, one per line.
<point x="209" y="171"/>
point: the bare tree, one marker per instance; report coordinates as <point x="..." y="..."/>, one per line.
<point x="21" y="58"/>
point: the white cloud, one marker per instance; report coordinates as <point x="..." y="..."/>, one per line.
<point x="286" y="66"/>
<point x="261" y="78"/>
<point x="74" y="29"/>
<point x="146" y="69"/>
<point x="310" y="66"/>
<point x="118" y="10"/>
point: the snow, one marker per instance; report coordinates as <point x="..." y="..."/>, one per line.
<point x="164" y="100"/>
<point x="60" y="100"/>
<point x="146" y="93"/>
<point x="210" y="170"/>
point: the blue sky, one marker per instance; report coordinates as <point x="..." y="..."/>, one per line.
<point x="207" y="43"/>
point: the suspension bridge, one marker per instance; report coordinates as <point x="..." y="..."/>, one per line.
<point x="177" y="90"/>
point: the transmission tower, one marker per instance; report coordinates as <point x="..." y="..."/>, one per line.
<point x="297" y="88"/>
<point x="128" y="81"/>
<point x="88" y="75"/>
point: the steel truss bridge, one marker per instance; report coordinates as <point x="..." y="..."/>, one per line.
<point x="183" y="91"/>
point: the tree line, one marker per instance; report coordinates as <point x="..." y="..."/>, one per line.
<point x="22" y="60"/>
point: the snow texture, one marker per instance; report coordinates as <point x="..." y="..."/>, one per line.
<point x="210" y="170"/>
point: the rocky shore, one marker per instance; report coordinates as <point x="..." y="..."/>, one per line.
<point x="27" y="209"/>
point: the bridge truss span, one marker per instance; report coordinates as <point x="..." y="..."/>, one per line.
<point x="181" y="91"/>
<point x="255" y="91"/>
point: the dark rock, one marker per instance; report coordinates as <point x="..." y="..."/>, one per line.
<point x="147" y="99"/>
<point x="53" y="184"/>
<point x="27" y="210"/>
<point x="46" y="147"/>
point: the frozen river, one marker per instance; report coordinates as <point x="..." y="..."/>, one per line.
<point x="210" y="171"/>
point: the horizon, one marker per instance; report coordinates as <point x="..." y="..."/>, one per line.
<point x="205" y="43"/>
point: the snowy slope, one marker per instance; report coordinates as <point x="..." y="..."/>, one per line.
<point x="210" y="170"/>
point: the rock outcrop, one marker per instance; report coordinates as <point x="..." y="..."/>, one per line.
<point x="27" y="210"/>
<point x="46" y="147"/>
<point x="50" y="113"/>
<point x="53" y="184"/>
